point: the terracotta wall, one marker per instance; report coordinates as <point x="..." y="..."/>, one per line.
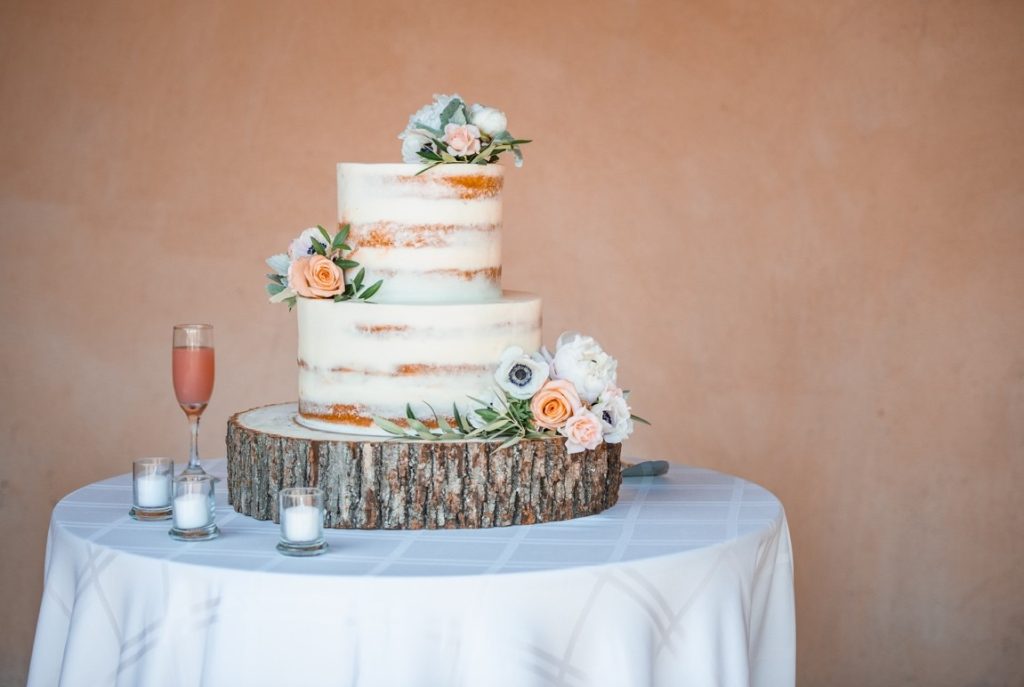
<point x="799" y="225"/>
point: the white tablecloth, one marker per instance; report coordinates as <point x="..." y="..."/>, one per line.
<point x="687" y="581"/>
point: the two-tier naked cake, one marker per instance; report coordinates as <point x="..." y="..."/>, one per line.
<point x="440" y="322"/>
<point x="426" y="398"/>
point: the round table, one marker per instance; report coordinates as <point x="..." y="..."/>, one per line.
<point x="687" y="580"/>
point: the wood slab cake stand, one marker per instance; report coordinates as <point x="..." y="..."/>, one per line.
<point x="381" y="483"/>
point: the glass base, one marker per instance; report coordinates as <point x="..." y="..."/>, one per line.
<point x="147" y="514"/>
<point x="198" y="470"/>
<point x="197" y="534"/>
<point x="305" y="549"/>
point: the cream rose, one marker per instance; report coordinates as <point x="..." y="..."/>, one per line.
<point x="582" y="431"/>
<point x="462" y="139"/>
<point x="554" y="404"/>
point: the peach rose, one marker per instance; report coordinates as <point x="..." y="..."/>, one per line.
<point x="462" y="139"/>
<point x="582" y="431"/>
<point x="554" y="404"/>
<point x="315" y="277"/>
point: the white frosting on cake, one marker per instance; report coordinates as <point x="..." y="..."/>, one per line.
<point x="433" y="237"/>
<point x="357" y="360"/>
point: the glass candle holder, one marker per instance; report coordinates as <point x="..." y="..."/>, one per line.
<point x="193" y="508"/>
<point x="301" y="511"/>
<point x="152" y="480"/>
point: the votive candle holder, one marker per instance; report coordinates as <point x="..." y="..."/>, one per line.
<point x="152" y="488"/>
<point x="194" y="508"/>
<point x="301" y="511"/>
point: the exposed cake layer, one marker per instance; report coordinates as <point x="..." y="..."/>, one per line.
<point x="433" y="237"/>
<point x="358" y="360"/>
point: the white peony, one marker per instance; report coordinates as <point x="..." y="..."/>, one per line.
<point x="489" y="120"/>
<point x="412" y="142"/>
<point x="519" y="375"/>
<point x="581" y="360"/>
<point x="614" y="412"/>
<point x="303" y="245"/>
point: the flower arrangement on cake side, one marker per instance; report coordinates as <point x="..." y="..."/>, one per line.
<point x="571" y="393"/>
<point x="446" y="131"/>
<point x="314" y="267"/>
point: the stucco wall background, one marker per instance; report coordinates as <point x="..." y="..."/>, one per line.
<point x="799" y="225"/>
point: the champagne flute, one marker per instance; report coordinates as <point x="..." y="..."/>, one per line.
<point x="192" y="366"/>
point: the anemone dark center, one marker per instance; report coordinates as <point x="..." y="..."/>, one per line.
<point x="607" y="416"/>
<point x="520" y="374"/>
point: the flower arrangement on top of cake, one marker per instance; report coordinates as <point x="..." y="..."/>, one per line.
<point x="572" y="393"/>
<point x="446" y="132"/>
<point x="314" y="267"/>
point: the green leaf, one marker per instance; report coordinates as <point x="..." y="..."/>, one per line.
<point x="274" y="289"/>
<point x="463" y="425"/>
<point x="358" y="281"/>
<point x="428" y="154"/>
<point x="371" y="290"/>
<point x="422" y="430"/>
<point x="276" y="278"/>
<point x="639" y="419"/>
<point x="517" y="141"/>
<point x="487" y="414"/>
<point x="449" y="111"/>
<point x="389" y="426"/>
<point x="291" y="302"/>
<point x="408" y="412"/>
<point x="349" y="291"/>
<point x="428" y="129"/>
<point x="346" y="264"/>
<point x="342" y="235"/>
<point x="327" y="237"/>
<point x="427" y="168"/>
<point x="511" y="442"/>
<point x="320" y="248"/>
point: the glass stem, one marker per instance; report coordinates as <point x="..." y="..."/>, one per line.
<point x="193" y="451"/>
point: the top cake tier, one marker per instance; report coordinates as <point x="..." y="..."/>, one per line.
<point x="433" y="237"/>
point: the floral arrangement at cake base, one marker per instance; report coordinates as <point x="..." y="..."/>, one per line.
<point x="571" y="393"/>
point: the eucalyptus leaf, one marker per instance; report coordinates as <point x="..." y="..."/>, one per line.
<point x="453" y="106"/>
<point x="518" y="155"/>
<point x="290" y="302"/>
<point x="510" y="443"/>
<point x="342" y="235"/>
<point x="327" y="237"/>
<point x="371" y="290"/>
<point x="389" y="426"/>
<point x="274" y="289"/>
<point x="427" y="129"/>
<point x="276" y="278"/>
<point x="279" y="263"/>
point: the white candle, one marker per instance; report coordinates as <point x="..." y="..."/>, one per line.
<point x="191" y="511"/>
<point x="301" y="523"/>
<point x="153" y="491"/>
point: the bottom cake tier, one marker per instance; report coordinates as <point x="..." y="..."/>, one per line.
<point x="360" y="360"/>
<point x="376" y="483"/>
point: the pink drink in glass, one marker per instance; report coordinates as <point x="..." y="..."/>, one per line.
<point x="193" y="377"/>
